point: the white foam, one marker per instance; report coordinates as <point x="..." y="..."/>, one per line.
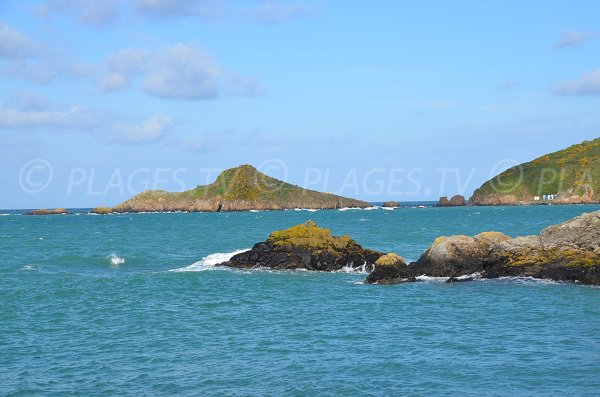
<point x="4" y="214"/>
<point x="371" y="208"/>
<point x="312" y="210"/>
<point x="209" y="262"/>
<point x="28" y="267"/>
<point x="529" y="280"/>
<point x="388" y="208"/>
<point x="432" y="279"/>
<point x="115" y="261"/>
<point x="349" y="208"/>
<point x="364" y="269"/>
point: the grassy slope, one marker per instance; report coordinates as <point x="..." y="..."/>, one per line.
<point x="239" y="188"/>
<point x="572" y="171"/>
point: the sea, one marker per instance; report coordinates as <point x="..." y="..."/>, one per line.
<point x="133" y="305"/>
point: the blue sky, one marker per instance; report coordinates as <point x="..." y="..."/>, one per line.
<point x="376" y="100"/>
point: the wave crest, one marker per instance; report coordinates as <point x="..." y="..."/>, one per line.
<point x="209" y="262"/>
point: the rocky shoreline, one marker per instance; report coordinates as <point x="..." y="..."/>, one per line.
<point x="569" y="251"/>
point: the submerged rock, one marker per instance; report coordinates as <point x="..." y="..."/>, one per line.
<point x="569" y="251"/>
<point x="390" y="269"/>
<point x="305" y="246"/>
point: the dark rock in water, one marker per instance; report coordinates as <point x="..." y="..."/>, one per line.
<point x="305" y="246"/>
<point x="390" y="269"/>
<point x="569" y="251"/>
<point x="43" y="211"/>
<point x="391" y="204"/>
<point x="456" y="201"/>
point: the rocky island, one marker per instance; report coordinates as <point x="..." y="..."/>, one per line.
<point x="569" y="251"/>
<point x="455" y="201"/>
<point x="305" y="246"/>
<point x="569" y="176"/>
<point x="237" y="189"/>
<point x="43" y="211"/>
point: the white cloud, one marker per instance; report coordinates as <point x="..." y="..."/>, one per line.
<point x="120" y="69"/>
<point x="180" y="71"/>
<point x="46" y="68"/>
<point x="570" y="39"/>
<point x="587" y="85"/>
<point x="14" y="45"/>
<point x="75" y="117"/>
<point x="98" y="13"/>
<point x="30" y="101"/>
<point x="164" y="9"/>
<point x="273" y="11"/>
<point x="151" y="130"/>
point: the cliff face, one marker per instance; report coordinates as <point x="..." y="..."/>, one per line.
<point x="237" y="189"/>
<point x="568" y="176"/>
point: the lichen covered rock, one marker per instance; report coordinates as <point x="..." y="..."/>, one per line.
<point x="305" y="246"/>
<point x="390" y="269"/>
<point x="569" y="251"/>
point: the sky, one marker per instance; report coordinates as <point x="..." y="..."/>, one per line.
<point x="387" y="100"/>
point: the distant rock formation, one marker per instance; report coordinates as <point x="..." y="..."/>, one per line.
<point x="305" y="246"/>
<point x="102" y="210"/>
<point x="569" y="176"/>
<point x="391" y="204"/>
<point x="43" y="211"/>
<point x="455" y="201"/>
<point x="237" y="189"/>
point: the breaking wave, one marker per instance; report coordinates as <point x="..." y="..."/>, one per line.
<point x="209" y="262"/>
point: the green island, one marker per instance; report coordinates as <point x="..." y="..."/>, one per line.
<point x="237" y="189"/>
<point x="569" y="176"/>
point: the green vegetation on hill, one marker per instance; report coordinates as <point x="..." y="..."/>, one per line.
<point x="573" y="174"/>
<point x="237" y="189"/>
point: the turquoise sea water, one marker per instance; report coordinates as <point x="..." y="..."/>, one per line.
<point x="89" y="306"/>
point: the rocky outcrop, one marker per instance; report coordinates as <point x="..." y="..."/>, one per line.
<point x="43" y="211"/>
<point x="569" y="251"/>
<point x="391" y="204"/>
<point x="238" y="189"/>
<point x="455" y="201"/>
<point x="493" y="199"/>
<point x="390" y="269"/>
<point x="305" y="246"/>
<point x="456" y="256"/>
<point x="102" y="211"/>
